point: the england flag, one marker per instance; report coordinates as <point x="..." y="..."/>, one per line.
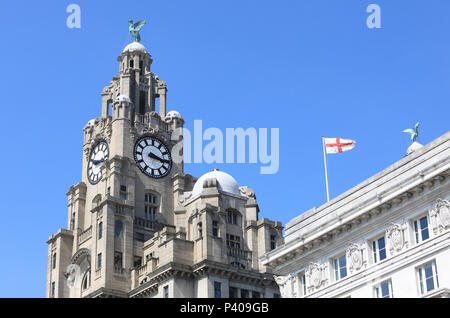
<point x="335" y="145"/>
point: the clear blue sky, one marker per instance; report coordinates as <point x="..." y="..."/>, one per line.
<point x="308" y="67"/>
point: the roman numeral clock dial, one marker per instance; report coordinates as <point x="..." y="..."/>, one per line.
<point x="97" y="157"/>
<point x="152" y="157"/>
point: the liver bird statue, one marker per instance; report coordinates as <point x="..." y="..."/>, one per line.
<point x="414" y="133"/>
<point x="134" y="29"/>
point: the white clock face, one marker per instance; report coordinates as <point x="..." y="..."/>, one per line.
<point x="153" y="157"/>
<point x="97" y="158"/>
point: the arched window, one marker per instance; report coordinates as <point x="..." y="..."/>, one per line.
<point x="86" y="283"/>
<point x="118" y="229"/>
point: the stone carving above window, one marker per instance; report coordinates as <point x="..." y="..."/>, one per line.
<point x="396" y="237"/>
<point x="440" y="216"/>
<point x="315" y="275"/>
<point x="355" y="255"/>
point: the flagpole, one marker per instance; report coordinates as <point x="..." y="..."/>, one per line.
<point x="325" y="164"/>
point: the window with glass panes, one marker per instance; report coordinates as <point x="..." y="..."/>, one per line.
<point x="340" y="267"/>
<point x="272" y="242"/>
<point x="151" y="206"/>
<point x="215" y="228"/>
<point x="379" y="249"/>
<point x="217" y="290"/>
<point x="233" y="241"/>
<point x="302" y="279"/>
<point x="232" y="217"/>
<point x="123" y="192"/>
<point x="428" y="277"/>
<point x="233" y="292"/>
<point x="99" y="260"/>
<point x="421" y="229"/>
<point x="100" y="230"/>
<point x="384" y="290"/>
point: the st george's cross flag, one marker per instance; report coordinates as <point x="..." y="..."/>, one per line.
<point x="335" y="145"/>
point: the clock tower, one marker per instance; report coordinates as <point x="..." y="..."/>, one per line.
<point x="138" y="226"/>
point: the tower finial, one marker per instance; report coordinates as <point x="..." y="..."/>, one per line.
<point x="134" y="29"/>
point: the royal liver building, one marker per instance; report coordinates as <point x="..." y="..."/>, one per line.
<point x="138" y="226"/>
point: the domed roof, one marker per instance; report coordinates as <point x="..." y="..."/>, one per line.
<point x="414" y="146"/>
<point x="135" y="47"/>
<point x="225" y="182"/>
<point x="123" y="98"/>
<point x="91" y="122"/>
<point x="173" y="113"/>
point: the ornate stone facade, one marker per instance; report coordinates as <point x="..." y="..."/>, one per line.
<point x="134" y="231"/>
<point x="377" y="239"/>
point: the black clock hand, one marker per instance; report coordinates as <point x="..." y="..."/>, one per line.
<point x="95" y="162"/>
<point x="152" y="155"/>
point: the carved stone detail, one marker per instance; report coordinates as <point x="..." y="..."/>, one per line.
<point x="246" y="191"/>
<point x="315" y="275"/>
<point x="355" y="255"/>
<point x="286" y="285"/>
<point x="396" y="237"/>
<point x="440" y="216"/>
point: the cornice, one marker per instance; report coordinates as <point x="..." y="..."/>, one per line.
<point x="306" y="244"/>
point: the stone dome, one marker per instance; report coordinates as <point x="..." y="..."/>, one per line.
<point x="135" y="47"/>
<point x="173" y="113"/>
<point x="91" y="122"/>
<point x="414" y="146"/>
<point x="123" y="98"/>
<point x="225" y="182"/>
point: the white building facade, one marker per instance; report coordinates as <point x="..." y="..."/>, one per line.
<point x="387" y="237"/>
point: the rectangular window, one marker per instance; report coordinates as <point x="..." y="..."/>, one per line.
<point x="428" y="277"/>
<point x="379" y="249"/>
<point x="99" y="260"/>
<point x="421" y="229"/>
<point x="150" y="198"/>
<point x="232" y="217"/>
<point x="384" y="290"/>
<point x="53" y="289"/>
<point x="245" y="293"/>
<point x="54" y="261"/>
<point x="166" y="291"/>
<point x="215" y="229"/>
<point x="217" y="290"/>
<point x="272" y="242"/>
<point x="302" y="279"/>
<point x="100" y="230"/>
<point x="137" y="261"/>
<point x="118" y="261"/>
<point x="233" y="292"/>
<point x="123" y="192"/>
<point x="256" y="294"/>
<point x="233" y="241"/>
<point x="340" y="267"/>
